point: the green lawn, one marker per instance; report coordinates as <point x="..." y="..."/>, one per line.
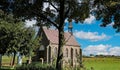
<point x="102" y="63"/>
<point x="94" y="62"/>
<point x="7" y="59"/>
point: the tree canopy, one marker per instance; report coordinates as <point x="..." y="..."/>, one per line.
<point x="48" y="11"/>
<point x="108" y="11"/>
<point x="15" y="37"/>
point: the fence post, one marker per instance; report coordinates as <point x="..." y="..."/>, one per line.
<point x="42" y="60"/>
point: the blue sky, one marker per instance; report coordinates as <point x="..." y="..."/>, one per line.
<point x="93" y="38"/>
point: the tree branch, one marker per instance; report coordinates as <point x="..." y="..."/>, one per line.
<point x="66" y="40"/>
<point x="52" y="5"/>
<point x="66" y="13"/>
<point x="44" y="17"/>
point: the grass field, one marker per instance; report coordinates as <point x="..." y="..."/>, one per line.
<point x="7" y="59"/>
<point x="110" y="63"/>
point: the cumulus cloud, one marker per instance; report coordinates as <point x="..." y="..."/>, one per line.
<point x="101" y="49"/>
<point x="96" y="49"/>
<point x="114" y="51"/>
<point x="93" y="36"/>
<point x="90" y="20"/>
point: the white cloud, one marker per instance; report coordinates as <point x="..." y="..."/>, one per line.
<point x="114" y="51"/>
<point x="90" y="20"/>
<point x="96" y="49"/>
<point x="101" y="49"/>
<point x="93" y="36"/>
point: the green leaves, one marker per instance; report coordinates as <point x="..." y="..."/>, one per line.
<point x="48" y="12"/>
<point x="108" y="11"/>
<point x="15" y="37"/>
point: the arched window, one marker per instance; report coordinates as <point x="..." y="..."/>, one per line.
<point x="76" y="52"/>
<point x="42" y="48"/>
<point x="55" y="51"/>
<point x="66" y="52"/>
<point x="49" y="54"/>
<point x="72" y="56"/>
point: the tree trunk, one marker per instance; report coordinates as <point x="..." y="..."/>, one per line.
<point x="61" y="37"/>
<point x="30" y="56"/>
<point x="81" y="58"/>
<point x="13" y="61"/>
<point x="29" y="59"/>
<point x="60" y="50"/>
<point x="0" y="60"/>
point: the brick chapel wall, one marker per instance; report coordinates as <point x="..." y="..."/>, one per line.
<point x="66" y="58"/>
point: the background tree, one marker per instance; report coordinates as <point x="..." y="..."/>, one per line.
<point x="54" y="12"/>
<point x="15" y="37"/>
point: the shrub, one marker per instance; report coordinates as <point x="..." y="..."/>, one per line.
<point x="35" y="66"/>
<point x="6" y="68"/>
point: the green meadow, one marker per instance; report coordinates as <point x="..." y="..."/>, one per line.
<point x="90" y="63"/>
<point x="6" y="60"/>
<point x="103" y="63"/>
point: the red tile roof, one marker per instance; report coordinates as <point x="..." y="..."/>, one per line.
<point x="52" y="35"/>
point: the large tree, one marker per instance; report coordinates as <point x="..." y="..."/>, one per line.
<point x="54" y="12"/>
